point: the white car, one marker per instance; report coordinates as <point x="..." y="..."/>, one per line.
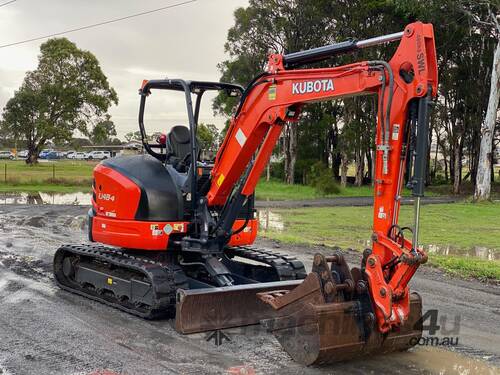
<point x="98" y="155"/>
<point x="22" y="154"/>
<point x="79" y="156"/>
<point x="6" y="155"/>
<point x="70" y="154"/>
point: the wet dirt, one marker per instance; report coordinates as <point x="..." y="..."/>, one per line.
<point x="44" y="330"/>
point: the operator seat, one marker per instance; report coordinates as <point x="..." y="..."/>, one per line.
<point x="179" y="148"/>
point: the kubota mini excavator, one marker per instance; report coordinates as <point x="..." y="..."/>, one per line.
<point x="180" y="228"/>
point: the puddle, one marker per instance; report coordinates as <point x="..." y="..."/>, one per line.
<point x="270" y="220"/>
<point x="479" y="252"/>
<point x="46" y="198"/>
<point x="426" y="360"/>
<point x="439" y="361"/>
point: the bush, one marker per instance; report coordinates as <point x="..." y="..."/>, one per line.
<point x="302" y="172"/>
<point x="322" y="180"/>
<point x="439" y="179"/>
<point x="277" y="171"/>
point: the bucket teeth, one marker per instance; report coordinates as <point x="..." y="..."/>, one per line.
<point x="329" y="316"/>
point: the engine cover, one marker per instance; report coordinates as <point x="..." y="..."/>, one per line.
<point x="136" y="187"/>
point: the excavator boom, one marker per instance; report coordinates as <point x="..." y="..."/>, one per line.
<point x="405" y="87"/>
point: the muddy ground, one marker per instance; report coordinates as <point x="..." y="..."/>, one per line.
<point x="44" y="330"/>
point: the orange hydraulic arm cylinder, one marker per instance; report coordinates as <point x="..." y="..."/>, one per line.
<point x="277" y="98"/>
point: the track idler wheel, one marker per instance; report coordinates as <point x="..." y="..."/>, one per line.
<point x="68" y="267"/>
<point x="329" y="317"/>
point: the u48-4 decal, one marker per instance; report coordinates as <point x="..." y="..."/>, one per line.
<point x="106" y="197"/>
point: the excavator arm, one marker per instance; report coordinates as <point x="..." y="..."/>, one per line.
<point x="405" y="87"/>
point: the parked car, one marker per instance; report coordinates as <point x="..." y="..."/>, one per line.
<point x="6" y="155"/>
<point x="70" y="154"/>
<point x="80" y="156"/>
<point x="98" y="155"/>
<point x="22" y="154"/>
<point x="43" y="154"/>
<point x="52" y="155"/>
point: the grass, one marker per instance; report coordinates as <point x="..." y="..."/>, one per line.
<point x="460" y="226"/>
<point x="278" y="191"/>
<point x="467" y="267"/>
<point x="70" y="176"/>
<point x="71" y="171"/>
<point x="75" y="176"/>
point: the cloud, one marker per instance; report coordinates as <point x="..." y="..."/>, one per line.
<point x="185" y="42"/>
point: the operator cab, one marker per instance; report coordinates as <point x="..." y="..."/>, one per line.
<point x="179" y="146"/>
<point x="179" y="150"/>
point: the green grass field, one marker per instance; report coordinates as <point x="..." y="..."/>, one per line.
<point x="61" y="176"/>
<point x="277" y="191"/>
<point x="460" y="226"/>
<point x="72" y="176"/>
<point x="66" y="176"/>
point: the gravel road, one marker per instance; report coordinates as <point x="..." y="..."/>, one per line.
<point x="44" y="330"/>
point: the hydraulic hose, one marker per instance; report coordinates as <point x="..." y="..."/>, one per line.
<point x="387" y="122"/>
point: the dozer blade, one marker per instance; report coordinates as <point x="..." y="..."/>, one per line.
<point x="322" y="321"/>
<point x="210" y="309"/>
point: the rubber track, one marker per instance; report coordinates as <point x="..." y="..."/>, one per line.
<point x="164" y="277"/>
<point x="287" y="267"/>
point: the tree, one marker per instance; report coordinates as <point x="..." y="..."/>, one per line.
<point x="133" y="136"/>
<point x="208" y="137"/>
<point x="103" y="131"/>
<point x="341" y="133"/>
<point x="66" y="92"/>
<point x="483" y="178"/>
<point x="79" y="143"/>
<point x="267" y="26"/>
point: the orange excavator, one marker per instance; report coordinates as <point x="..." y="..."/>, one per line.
<point x="173" y="230"/>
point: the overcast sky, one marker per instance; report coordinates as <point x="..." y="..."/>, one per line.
<point x="184" y="42"/>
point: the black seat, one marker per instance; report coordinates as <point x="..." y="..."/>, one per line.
<point x="179" y="147"/>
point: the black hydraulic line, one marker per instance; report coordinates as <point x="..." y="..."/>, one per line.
<point x="244" y="96"/>
<point x="420" y="168"/>
<point x="318" y="54"/>
<point x="247" y="219"/>
<point x="381" y="102"/>
<point x="410" y="141"/>
<point x="248" y="89"/>
<point x="234" y="202"/>
<point x="325" y="52"/>
<point x="391" y="94"/>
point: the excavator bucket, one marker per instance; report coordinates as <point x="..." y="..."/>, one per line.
<point x="225" y="307"/>
<point x="329" y="317"/>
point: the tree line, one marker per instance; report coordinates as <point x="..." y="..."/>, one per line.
<point x="69" y="94"/>
<point x="341" y="133"/>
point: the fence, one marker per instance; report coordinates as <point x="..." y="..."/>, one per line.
<point x="61" y="172"/>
